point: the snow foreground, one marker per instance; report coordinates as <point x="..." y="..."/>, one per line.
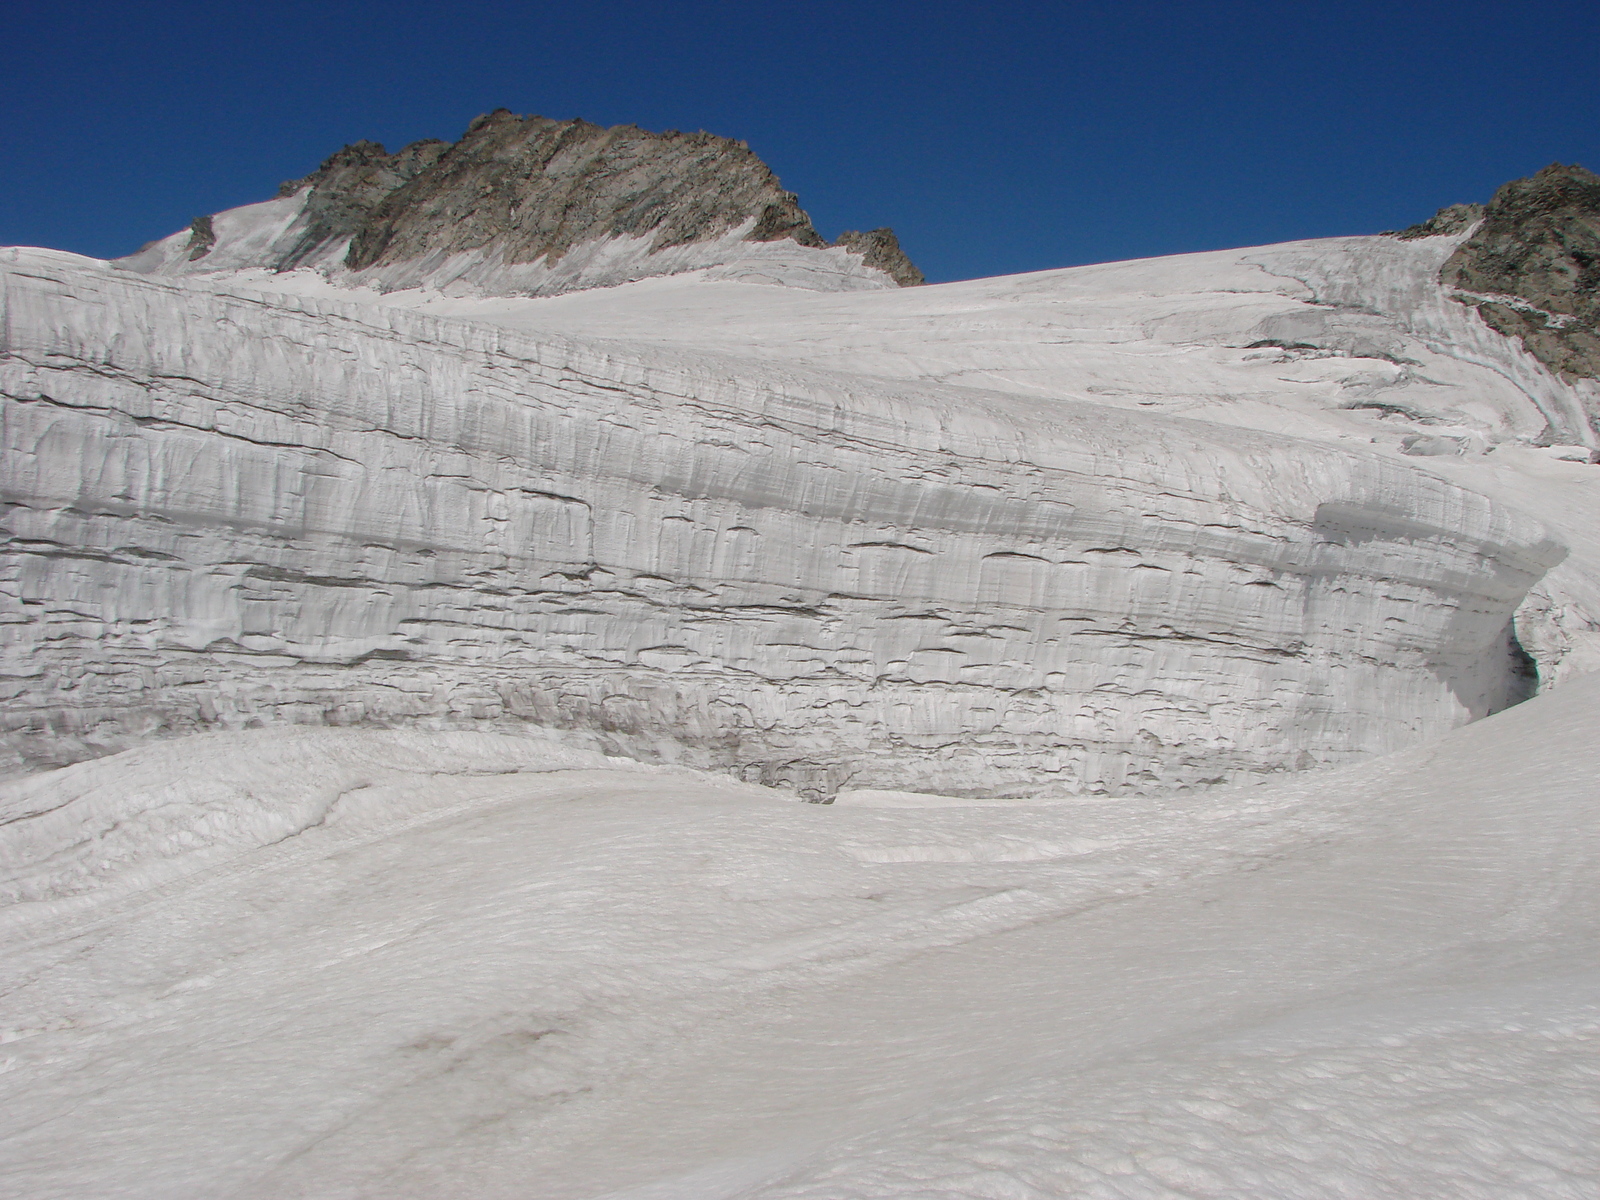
<point x="558" y="977"/>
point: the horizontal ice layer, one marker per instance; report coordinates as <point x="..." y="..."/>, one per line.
<point x="234" y="509"/>
<point x="1349" y="340"/>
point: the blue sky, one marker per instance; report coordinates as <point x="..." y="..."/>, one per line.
<point x="994" y="138"/>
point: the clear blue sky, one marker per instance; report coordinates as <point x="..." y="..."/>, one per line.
<point x="994" y="138"/>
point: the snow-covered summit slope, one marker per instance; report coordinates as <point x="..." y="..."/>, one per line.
<point x="231" y="506"/>
<point x="1378" y="982"/>
<point x="273" y="228"/>
<point x="1338" y="336"/>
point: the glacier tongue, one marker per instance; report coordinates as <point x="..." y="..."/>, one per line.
<point x="234" y="509"/>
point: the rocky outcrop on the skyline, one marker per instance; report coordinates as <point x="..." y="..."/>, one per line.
<point x="1532" y="267"/>
<point x="1451" y="219"/>
<point x="880" y="248"/>
<point x="537" y="188"/>
<point x="533" y="205"/>
<point x="347" y="190"/>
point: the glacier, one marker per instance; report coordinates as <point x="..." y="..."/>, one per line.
<point x="370" y="514"/>
<point x="410" y="674"/>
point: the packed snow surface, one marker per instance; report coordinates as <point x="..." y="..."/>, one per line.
<point x="544" y="976"/>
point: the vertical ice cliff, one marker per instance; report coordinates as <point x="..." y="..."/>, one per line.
<point x="226" y="509"/>
<point x="533" y="206"/>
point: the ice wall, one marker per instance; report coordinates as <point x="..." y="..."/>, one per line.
<point x="226" y="509"/>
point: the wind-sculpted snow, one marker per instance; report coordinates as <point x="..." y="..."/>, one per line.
<point x="1345" y="340"/>
<point x="124" y="825"/>
<point x="1378" y="982"/>
<point x="232" y="509"/>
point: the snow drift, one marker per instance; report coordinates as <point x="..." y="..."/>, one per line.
<point x="1376" y="982"/>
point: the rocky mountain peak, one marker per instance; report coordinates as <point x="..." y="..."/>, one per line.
<point x="1533" y="267"/>
<point x="881" y="249"/>
<point x="536" y="187"/>
<point x="1448" y="221"/>
<point x="519" y="191"/>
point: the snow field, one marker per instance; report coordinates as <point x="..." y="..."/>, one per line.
<point x="585" y="982"/>
<point x="397" y="963"/>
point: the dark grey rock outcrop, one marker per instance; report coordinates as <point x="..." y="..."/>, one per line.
<point x="202" y="237"/>
<point x="880" y="248"/>
<point x="538" y="187"/>
<point x="1532" y="267"/>
<point x="1451" y="219"/>
<point x="348" y="188"/>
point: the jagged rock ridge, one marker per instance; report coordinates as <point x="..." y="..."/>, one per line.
<point x="1539" y="244"/>
<point x="506" y="206"/>
<point x="880" y="248"/>
<point x="1451" y="219"/>
<point x="1531" y="266"/>
<point x="347" y="190"/>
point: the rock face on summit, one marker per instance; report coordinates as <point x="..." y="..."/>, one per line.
<point x="881" y="249"/>
<point x="535" y="206"/>
<point x="538" y="188"/>
<point x="1531" y="266"/>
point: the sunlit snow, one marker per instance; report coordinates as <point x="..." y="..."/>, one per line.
<point x="553" y="980"/>
<point x="391" y="963"/>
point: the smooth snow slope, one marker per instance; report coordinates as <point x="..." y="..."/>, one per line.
<point x="1379" y="982"/>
